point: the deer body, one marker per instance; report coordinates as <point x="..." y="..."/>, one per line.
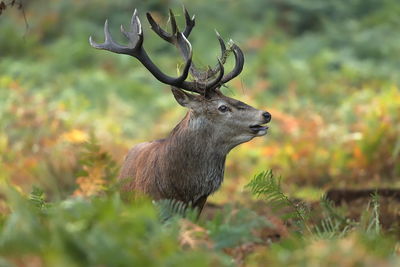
<point x="185" y="166"/>
<point x="189" y="164"/>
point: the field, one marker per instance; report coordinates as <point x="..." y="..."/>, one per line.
<point x="321" y="189"/>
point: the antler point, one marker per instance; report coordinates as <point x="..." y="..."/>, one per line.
<point x="93" y="43"/>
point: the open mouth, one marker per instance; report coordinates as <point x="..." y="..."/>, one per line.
<point x="258" y="128"/>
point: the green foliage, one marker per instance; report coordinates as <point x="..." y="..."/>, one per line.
<point x="169" y="208"/>
<point x="370" y="218"/>
<point x="97" y="231"/>
<point x="333" y="224"/>
<point x="326" y="70"/>
<point x="352" y="250"/>
<point x="331" y="240"/>
<point x="266" y="186"/>
<point x="107" y="231"/>
<point x="232" y="228"/>
<point x="37" y="197"/>
<point x="98" y="170"/>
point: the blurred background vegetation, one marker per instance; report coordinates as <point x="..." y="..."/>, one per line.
<point x="327" y="71"/>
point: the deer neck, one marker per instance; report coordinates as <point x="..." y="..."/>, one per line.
<point x="196" y="137"/>
<point x="201" y="163"/>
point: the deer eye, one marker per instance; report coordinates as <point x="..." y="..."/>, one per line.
<point x="223" y="108"/>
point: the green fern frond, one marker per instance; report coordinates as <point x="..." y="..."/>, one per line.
<point x="168" y="208"/>
<point x="333" y="225"/>
<point x="330" y="228"/>
<point x="328" y="206"/>
<point x="265" y="185"/>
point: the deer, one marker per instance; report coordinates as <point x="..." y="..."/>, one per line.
<point x="188" y="165"/>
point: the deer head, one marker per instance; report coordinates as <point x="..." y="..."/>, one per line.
<point x="233" y="120"/>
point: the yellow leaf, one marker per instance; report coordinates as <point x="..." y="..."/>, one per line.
<point x="75" y="136"/>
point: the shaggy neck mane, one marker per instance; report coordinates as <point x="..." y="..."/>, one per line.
<point x="196" y="135"/>
<point x="192" y="157"/>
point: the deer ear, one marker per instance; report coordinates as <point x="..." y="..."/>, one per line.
<point x="183" y="98"/>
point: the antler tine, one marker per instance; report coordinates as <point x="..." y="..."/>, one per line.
<point x="239" y="62"/>
<point x="174" y="27"/>
<point x="108" y="44"/>
<point x="135" y="49"/>
<point x="158" y="30"/>
<point x="135" y="37"/>
<point x="222" y="45"/>
<point x="217" y="81"/>
<point x="190" y="22"/>
<point x="224" y="55"/>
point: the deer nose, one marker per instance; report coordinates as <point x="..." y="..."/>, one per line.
<point x="267" y="116"/>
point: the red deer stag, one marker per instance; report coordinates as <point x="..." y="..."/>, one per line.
<point x="189" y="164"/>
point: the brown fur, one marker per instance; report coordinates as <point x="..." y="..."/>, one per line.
<point x="189" y="165"/>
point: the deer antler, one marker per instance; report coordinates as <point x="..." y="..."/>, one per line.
<point x="135" y="49"/>
<point x="202" y="84"/>
<point x="190" y="22"/>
